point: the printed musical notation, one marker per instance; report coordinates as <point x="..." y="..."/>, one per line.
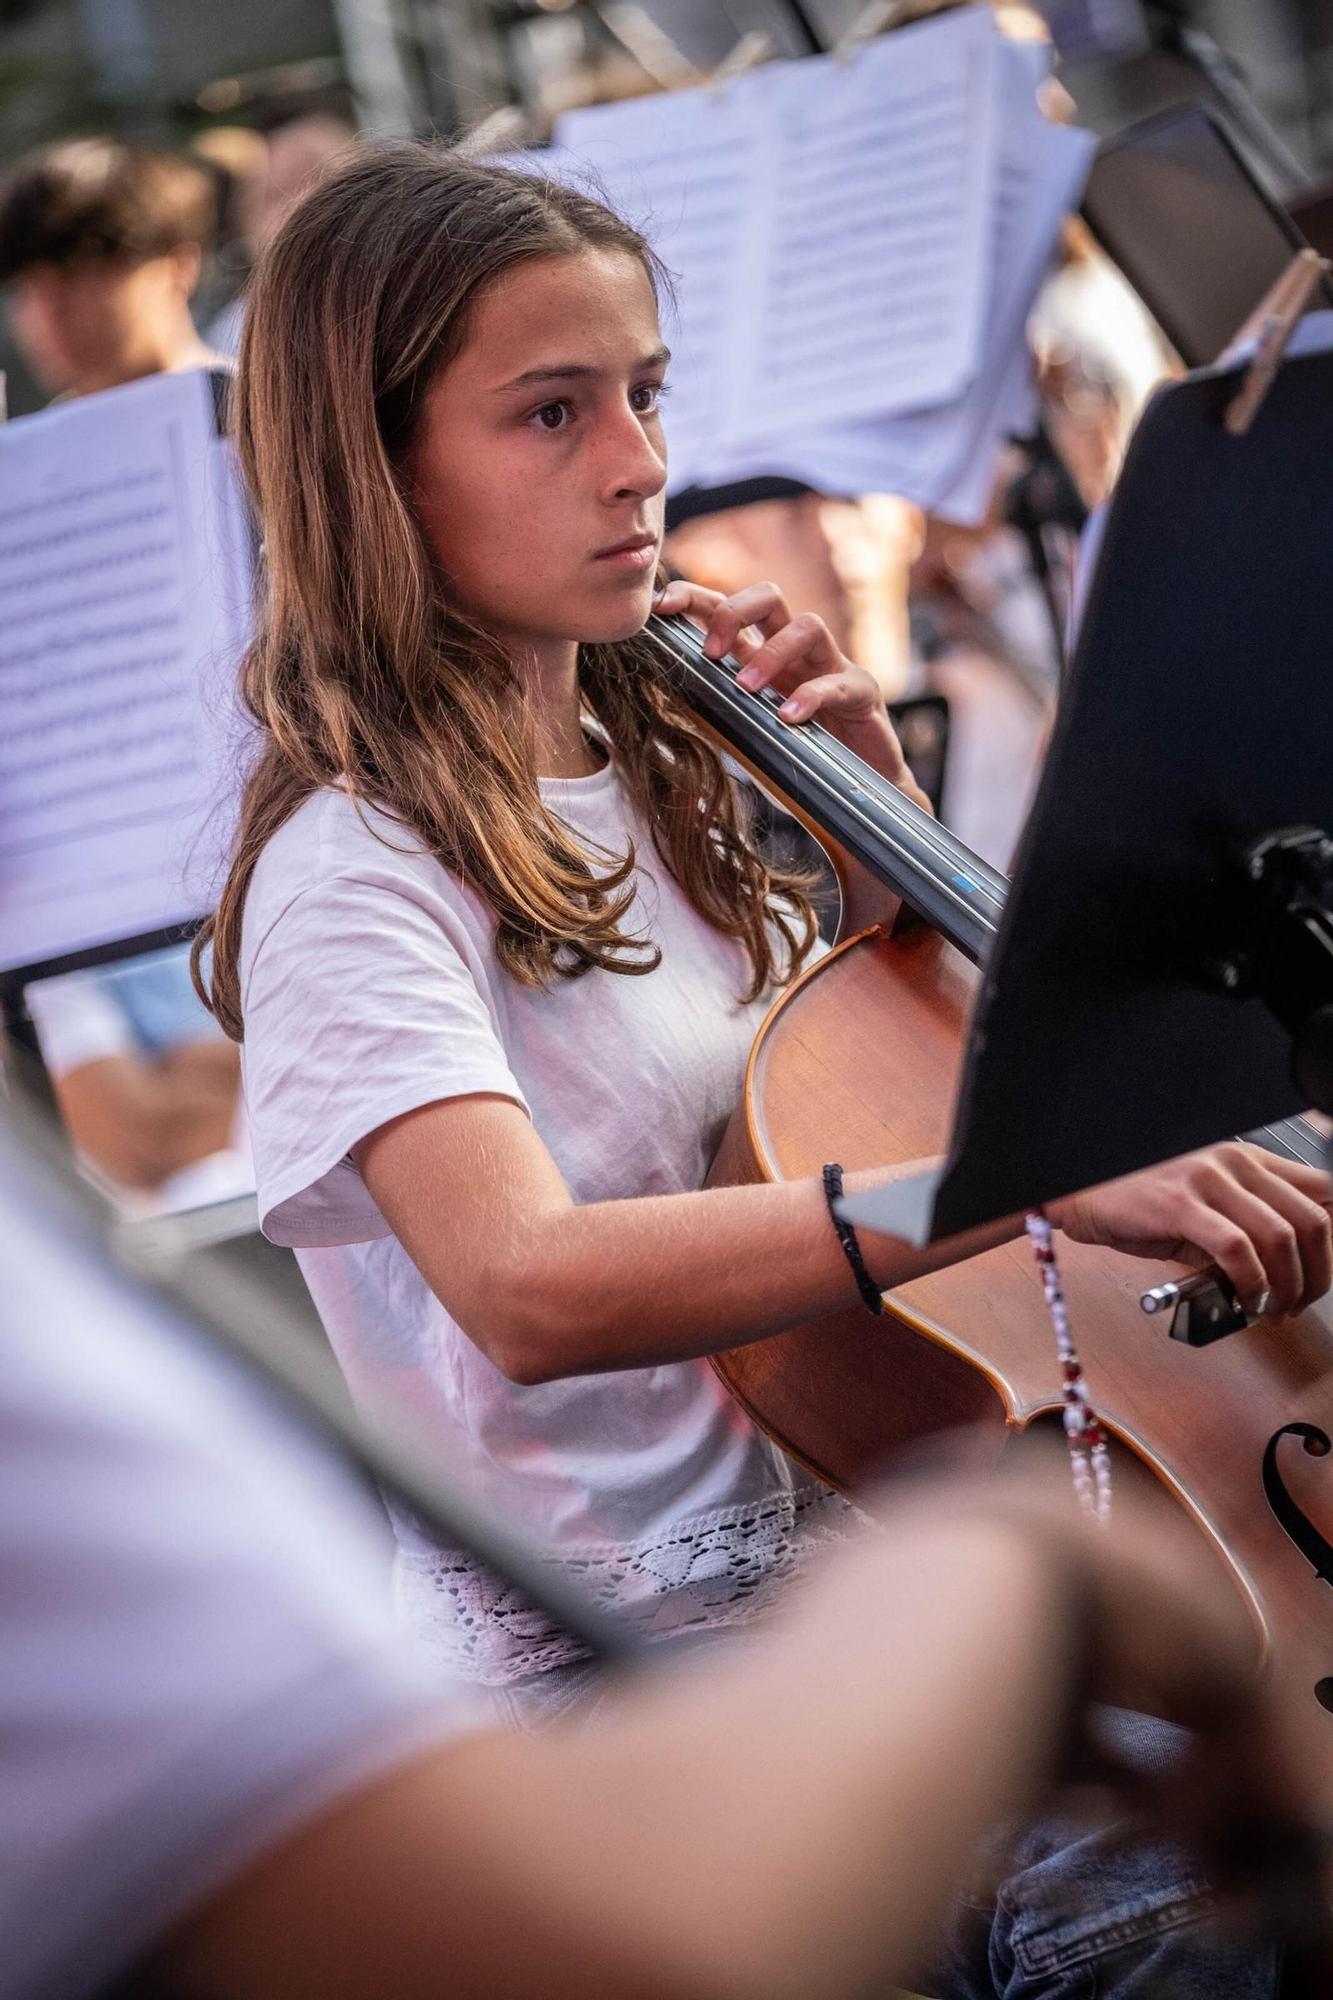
<point x="869" y="291"/>
<point x="854" y="248"/>
<point x="944" y="457"/>
<point x="121" y="592"/>
<point x="821" y="222"/>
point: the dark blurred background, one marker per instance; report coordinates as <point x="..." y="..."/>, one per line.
<point x="168" y="69"/>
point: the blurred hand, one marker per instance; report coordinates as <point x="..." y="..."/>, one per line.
<point x="1153" y="1624"/>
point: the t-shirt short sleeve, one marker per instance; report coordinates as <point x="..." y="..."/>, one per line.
<point x="364" y="997"/>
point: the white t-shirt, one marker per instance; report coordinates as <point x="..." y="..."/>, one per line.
<point x="197" y="1650"/>
<point x="370" y="986"/>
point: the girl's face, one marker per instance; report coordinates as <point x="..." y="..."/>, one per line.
<point x="539" y="468"/>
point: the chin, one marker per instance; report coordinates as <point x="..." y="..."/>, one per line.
<point x="609" y="624"/>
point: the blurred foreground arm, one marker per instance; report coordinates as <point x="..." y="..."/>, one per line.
<point x="787" y="1821"/>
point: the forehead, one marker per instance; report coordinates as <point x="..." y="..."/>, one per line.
<point x="593" y="309"/>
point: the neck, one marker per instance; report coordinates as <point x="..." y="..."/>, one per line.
<point x="166" y="353"/>
<point x="550" y="673"/>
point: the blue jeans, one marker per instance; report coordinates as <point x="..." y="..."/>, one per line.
<point x="1077" y="1916"/>
<point x="1081" y="1916"/>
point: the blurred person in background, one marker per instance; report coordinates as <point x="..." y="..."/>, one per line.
<point x="1100" y="356"/>
<point x="101" y="245"/>
<point x="147" y="1086"/>
<point x="233" y="155"/>
<point x="293" y="156"/>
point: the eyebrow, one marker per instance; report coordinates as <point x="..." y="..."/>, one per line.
<point x="576" y="371"/>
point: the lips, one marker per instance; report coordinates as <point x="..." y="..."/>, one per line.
<point x="638" y="550"/>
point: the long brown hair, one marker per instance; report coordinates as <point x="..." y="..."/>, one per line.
<point x="363" y="674"/>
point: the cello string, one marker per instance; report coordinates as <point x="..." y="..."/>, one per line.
<point x="900" y="826"/>
<point x="1297" y="1138"/>
<point x="757" y="713"/>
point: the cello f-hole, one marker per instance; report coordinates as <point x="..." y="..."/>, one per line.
<point x="1294" y="1524"/>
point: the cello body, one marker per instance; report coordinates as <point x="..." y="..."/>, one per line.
<point x="858" y="1061"/>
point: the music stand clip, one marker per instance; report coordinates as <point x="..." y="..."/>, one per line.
<point x="1273" y="326"/>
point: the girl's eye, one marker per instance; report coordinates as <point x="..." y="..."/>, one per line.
<point x="645" y="399"/>
<point x="552" y="416"/>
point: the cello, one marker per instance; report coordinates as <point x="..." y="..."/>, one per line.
<point x="858" y="1060"/>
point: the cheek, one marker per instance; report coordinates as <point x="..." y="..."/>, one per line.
<point x="498" y="533"/>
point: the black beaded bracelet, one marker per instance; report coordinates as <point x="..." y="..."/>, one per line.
<point x="871" y="1297"/>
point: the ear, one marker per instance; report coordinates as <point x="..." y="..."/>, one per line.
<point x="184" y="264"/>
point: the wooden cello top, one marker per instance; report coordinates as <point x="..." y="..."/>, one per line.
<point x="971" y="1345"/>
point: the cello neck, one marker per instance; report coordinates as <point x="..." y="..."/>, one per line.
<point x="948" y="885"/>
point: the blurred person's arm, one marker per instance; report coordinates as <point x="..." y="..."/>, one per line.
<point x="786" y="1822"/>
<point x="137" y="1114"/>
<point x="141" y="1118"/>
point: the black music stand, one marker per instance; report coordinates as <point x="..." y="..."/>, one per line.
<point x="1158" y="965"/>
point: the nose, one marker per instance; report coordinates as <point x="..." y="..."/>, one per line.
<point x="633" y="464"/>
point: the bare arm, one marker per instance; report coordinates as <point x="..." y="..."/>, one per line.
<point x="141" y="1118"/>
<point x="774" y="1824"/>
<point x="548" y="1288"/>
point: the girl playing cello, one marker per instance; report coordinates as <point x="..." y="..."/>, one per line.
<point x="497" y="941"/>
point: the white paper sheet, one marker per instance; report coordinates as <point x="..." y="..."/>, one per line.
<point x="683" y="169"/>
<point x="123" y="607"/>
<point x="868" y="272"/>
<point x="826" y="225"/>
<point x="944" y="457"/>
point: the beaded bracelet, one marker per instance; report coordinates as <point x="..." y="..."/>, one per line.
<point x="871" y="1296"/>
<point x="1089" y="1454"/>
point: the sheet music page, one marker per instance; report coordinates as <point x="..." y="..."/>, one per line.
<point x="825" y="225"/>
<point x="944" y="458"/>
<point x="1041" y="172"/>
<point x="120" y="623"/>
<point x="867" y="267"/>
